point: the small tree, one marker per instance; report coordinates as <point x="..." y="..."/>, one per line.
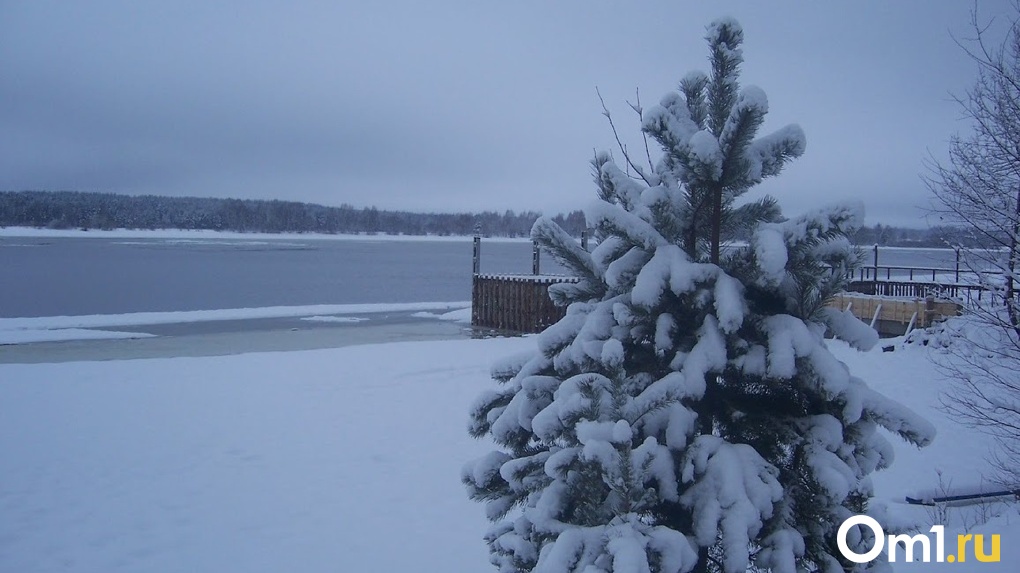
<point x="978" y="189"/>
<point x="686" y="415"/>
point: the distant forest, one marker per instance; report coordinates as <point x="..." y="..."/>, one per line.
<point x="933" y="237"/>
<point x="80" y="210"/>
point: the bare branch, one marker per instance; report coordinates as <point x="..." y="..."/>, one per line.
<point x="623" y="149"/>
<point x="641" y="118"/>
<point x="978" y="186"/>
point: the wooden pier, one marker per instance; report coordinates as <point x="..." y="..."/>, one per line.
<point x="895" y="316"/>
<point x="520" y="303"/>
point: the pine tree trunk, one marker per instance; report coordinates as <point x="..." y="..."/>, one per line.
<point x="716" y="224"/>
<point x="702" y="565"/>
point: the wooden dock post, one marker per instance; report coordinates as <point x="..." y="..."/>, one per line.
<point x="476" y="257"/>
<point x="516" y="303"/>
<point x="874" y="276"/>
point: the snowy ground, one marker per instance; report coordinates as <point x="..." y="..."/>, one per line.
<point x="329" y="460"/>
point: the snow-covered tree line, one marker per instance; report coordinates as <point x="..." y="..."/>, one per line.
<point x="69" y="209"/>
<point x="686" y="414"/>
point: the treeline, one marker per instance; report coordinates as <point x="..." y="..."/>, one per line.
<point x="79" y="210"/>
<point x="932" y="237"/>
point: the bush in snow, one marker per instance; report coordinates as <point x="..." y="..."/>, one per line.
<point x="686" y="415"/>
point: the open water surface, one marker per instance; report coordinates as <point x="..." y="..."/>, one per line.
<point x="76" y="276"/>
<point x="79" y="276"/>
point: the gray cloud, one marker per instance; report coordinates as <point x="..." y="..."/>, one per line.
<point x="455" y="105"/>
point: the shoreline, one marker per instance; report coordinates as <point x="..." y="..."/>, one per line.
<point x="228" y="338"/>
<point x="208" y="234"/>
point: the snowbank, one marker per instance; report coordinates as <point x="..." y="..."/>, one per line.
<point x="339" y="460"/>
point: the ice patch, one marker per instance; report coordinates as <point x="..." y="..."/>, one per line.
<point x="460" y="315"/>
<point x="342" y="319"/>
<point x="180" y="317"/>
<point x="27" y="336"/>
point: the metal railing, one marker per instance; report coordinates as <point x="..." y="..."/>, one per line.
<point x="921" y="281"/>
<point x="906" y="281"/>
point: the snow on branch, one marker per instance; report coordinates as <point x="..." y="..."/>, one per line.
<point x="818" y="236"/>
<point x="619" y="186"/>
<point x="565" y="250"/>
<point x="725" y="31"/>
<point x="897" y="418"/>
<point x="732" y="493"/>
<point x="624" y="224"/>
<point x="724" y="38"/>
<point x="768" y="154"/>
<point x="850" y="329"/>
<point x="743" y="122"/>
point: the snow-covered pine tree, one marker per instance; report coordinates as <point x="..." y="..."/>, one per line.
<point x="686" y="414"/>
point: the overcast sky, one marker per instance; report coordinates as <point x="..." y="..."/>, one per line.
<point x="454" y="106"/>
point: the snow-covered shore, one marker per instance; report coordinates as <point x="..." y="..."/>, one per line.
<point x="330" y="460"/>
<point x="207" y="234"/>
